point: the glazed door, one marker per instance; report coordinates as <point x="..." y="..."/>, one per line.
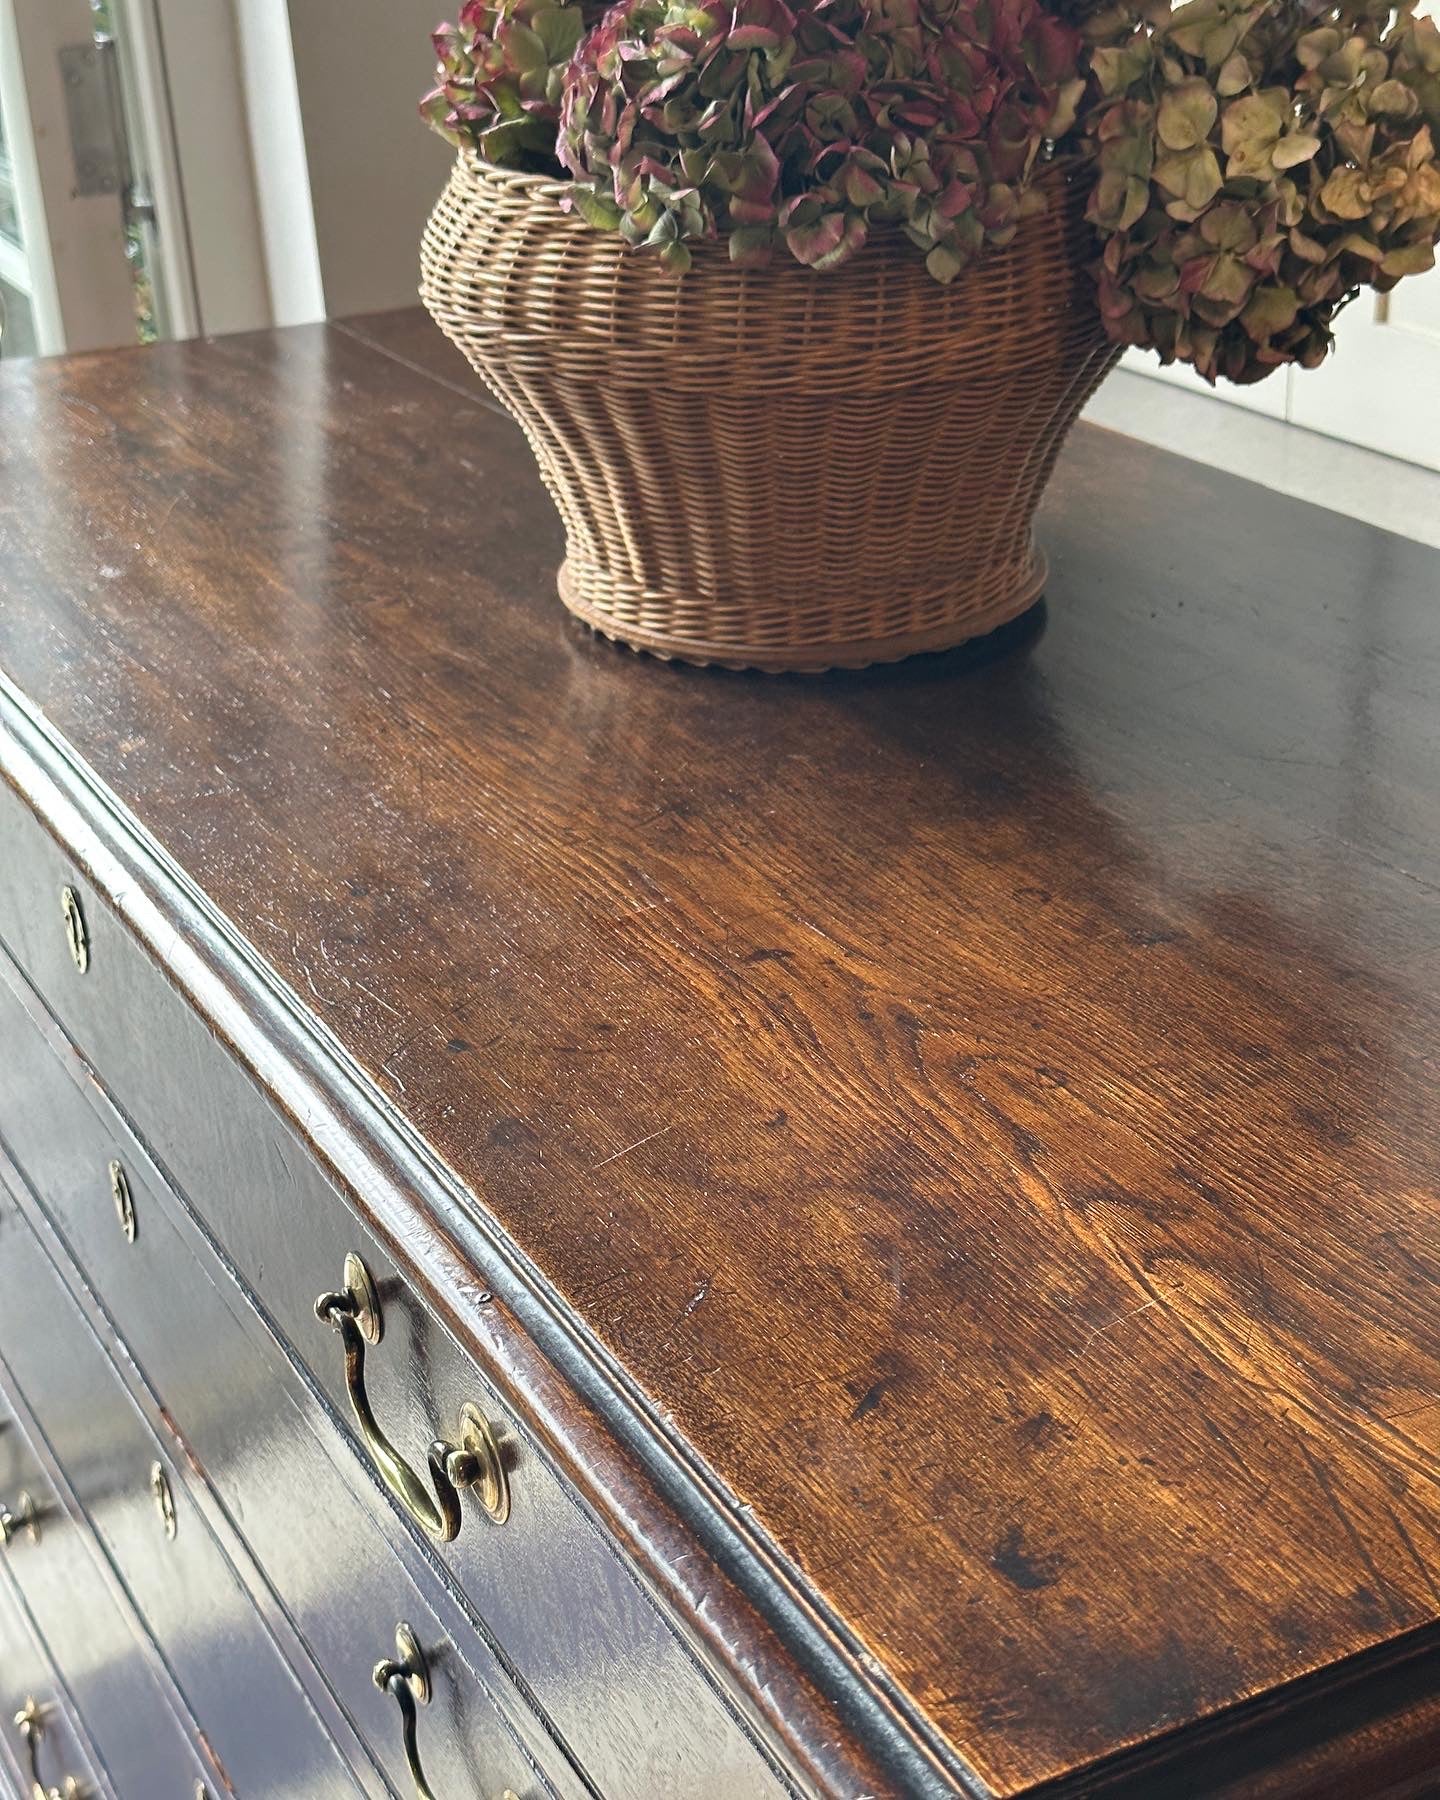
<point x="83" y="258"/>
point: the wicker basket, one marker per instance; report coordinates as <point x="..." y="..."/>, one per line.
<point x="767" y="468"/>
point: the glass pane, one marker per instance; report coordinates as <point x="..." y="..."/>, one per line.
<point x="9" y="211"/>
<point x="17" y="323"/>
<point x="17" y="319"/>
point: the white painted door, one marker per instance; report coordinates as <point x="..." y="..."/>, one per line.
<point x="1381" y="385"/>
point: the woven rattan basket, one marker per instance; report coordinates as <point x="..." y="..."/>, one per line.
<point x="769" y="468"/>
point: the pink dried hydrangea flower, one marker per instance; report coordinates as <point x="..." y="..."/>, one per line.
<point x="802" y="126"/>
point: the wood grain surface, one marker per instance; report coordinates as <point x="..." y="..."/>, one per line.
<point x="988" y="1105"/>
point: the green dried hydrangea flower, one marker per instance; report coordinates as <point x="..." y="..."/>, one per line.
<point x="1256" y="165"/>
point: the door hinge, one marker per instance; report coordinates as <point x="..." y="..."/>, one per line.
<point x="90" y="78"/>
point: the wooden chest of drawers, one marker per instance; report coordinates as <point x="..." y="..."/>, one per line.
<point x="569" y="1229"/>
<point x="169" y="1238"/>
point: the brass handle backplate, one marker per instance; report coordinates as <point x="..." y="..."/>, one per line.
<point x="473" y="1462"/>
<point x="124" y="1201"/>
<point x="164" y="1497"/>
<point x="25" y="1517"/>
<point x="30" y="1721"/>
<point x="76" y="936"/>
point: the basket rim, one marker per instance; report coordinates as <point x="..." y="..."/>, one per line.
<point x="544" y="197"/>
<point x="1055" y="169"/>
<point x="522" y="180"/>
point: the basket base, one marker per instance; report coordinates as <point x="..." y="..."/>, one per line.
<point x="802" y="658"/>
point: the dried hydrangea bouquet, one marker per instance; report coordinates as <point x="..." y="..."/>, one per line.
<point x="797" y="302"/>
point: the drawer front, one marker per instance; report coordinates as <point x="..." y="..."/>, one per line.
<point x="287" y="1492"/>
<point x="567" y="1615"/>
<point x="35" y="1706"/>
<point x="252" y="1714"/>
<point x="335" y="1591"/>
<point x="61" y="1587"/>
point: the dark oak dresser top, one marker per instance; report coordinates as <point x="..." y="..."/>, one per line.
<point x="957" y="1142"/>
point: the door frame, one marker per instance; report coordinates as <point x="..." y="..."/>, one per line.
<point x="190" y="87"/>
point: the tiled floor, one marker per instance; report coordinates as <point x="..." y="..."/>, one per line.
<point x="1395" y="495"/>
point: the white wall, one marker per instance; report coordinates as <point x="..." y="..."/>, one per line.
<point x="360" y="67"/>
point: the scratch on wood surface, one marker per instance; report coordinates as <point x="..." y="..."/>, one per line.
<point x="638" y="1144"/>
<point x="279" y="1149"/>
<point x="371" y="994"/>
<point x="324" y="999"/>
<point x="1419" y="1561"/>
<point x="164" y="520"/>
<point x="1409" y="1412"/>
<point x="695" y="1299"/>
<point x="1110" y="1324"/>
<point x="1326" y="1484"/>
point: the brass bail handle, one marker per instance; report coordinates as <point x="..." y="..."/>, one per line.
<point x="474" y="1462"/>
<point x="406" y="1678"/>
<point x="30" y="1721"/>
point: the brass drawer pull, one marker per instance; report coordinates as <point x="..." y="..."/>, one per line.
<point x="474" y="1462"/>
<point x="406" y="1678"/>
<point x="31" y="1723"/>
<point x="26" y="1517"/>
